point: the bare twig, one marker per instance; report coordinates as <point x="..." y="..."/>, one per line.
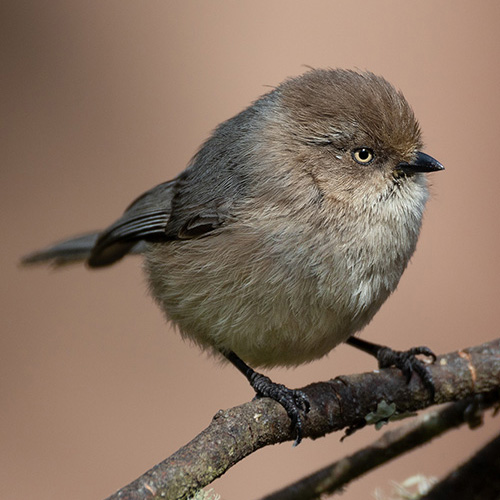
<point x="477" y="479"/>
<point x="336" y="404"/>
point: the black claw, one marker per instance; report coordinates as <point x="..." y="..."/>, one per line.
<point x="424" y="351"/>
<point x="293" y="401"/>
<point x="408" y="363"/>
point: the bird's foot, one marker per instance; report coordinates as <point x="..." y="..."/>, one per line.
<point x="293" y="401"/>
<point x="408" y="363"/>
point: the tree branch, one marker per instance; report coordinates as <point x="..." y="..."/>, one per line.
<point x="390" y="445"/>
<point x="477" y="479"/>
<point x="337" y="404"/>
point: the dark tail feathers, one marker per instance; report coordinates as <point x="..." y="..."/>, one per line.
<point x="76" y="249"/>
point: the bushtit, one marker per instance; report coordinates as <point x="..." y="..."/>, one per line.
<point x="287" y="231"/>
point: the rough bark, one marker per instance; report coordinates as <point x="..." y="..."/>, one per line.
<point x="390" y="445"/>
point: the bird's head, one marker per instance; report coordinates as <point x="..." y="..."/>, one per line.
<point x="353" y="132"/>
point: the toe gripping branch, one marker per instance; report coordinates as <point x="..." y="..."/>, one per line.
<point x="406" y="361"/>
<point x="296" y="403"/>
<point x="293" y="401"/>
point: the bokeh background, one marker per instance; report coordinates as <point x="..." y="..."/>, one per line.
<point x="103" y="100"/>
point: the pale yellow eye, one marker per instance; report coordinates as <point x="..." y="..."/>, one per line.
<point x="363" y="156"/>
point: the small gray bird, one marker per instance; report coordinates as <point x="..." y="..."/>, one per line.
<point x="287" y="231"/>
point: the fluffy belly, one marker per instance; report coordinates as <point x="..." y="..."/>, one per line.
<point x="269" y="307"/>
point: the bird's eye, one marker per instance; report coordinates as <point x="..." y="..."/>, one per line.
<point x="363" y="156"/>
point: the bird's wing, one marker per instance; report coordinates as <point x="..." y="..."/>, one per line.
<point x="180" y="209"/>
<point x="145" y="219"/>
<point x="195" y="204"/>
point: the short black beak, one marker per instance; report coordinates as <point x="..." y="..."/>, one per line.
<point x="422" y="163"/>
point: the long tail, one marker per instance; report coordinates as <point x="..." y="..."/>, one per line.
<point x="70" y="251"/>
<point x="144" y="220"/>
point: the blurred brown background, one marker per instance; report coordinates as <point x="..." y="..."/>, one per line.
<point x="101" y="101"/>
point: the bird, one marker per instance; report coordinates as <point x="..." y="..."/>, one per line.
<point x="287" y="231"/>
